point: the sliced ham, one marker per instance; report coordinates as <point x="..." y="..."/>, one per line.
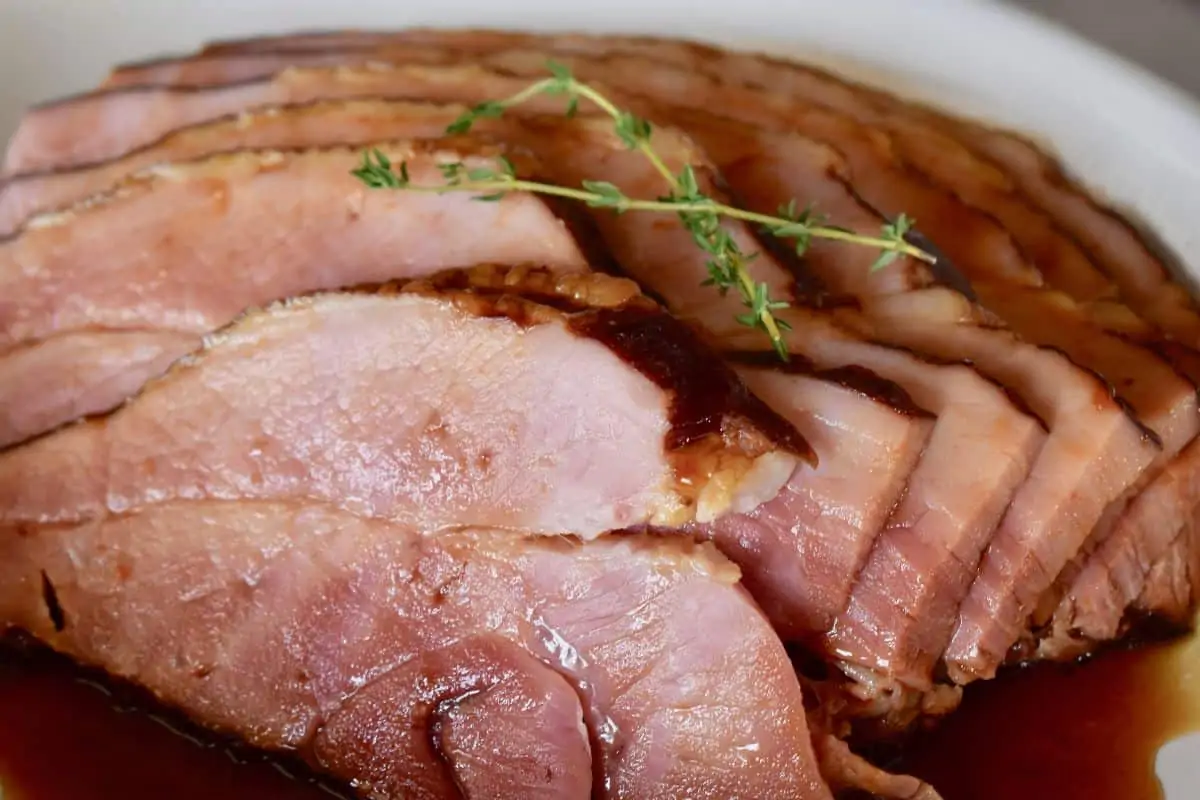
<point x="417" y="665"/>
<point x="1150" y="539"/>
<point x="96" y="299"/>
<point x="1101" y="476"/>
<point x="444" y="83"/>
<point x="798" y="550"/>
<point x="867" y="471"/>
<point x="1010" y="163"/>
<point x="1095" y="451"/>
<point x="1162" y="398"/>
<point x="811" y="610"/>
<point x="1173" y="583"/>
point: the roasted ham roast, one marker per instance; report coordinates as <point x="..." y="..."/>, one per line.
<point x="462" y="498"/>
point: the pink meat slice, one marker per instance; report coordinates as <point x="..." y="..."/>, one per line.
<point x="1146" y="542"/>
<point x="825" y="519"/>
<point x="1094" y="453"/>
<point x="95" y="300"/>
<point x="513" y="433"/>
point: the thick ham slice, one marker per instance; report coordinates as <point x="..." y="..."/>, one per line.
<point x="96" y="299"/>
<point x="692" y="444"/>
<point x="419" y="665"/>
<point x="798" y="550"/>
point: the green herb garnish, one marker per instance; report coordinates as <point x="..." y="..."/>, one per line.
<point x="699" y="214"/>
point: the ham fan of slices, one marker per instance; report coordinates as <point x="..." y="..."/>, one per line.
<point x="431" y="493"/>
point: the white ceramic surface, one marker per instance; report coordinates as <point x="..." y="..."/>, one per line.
<point x="1136" y="139"/>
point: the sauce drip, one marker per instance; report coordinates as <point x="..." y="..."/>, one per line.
<point x="1089" y="731"/>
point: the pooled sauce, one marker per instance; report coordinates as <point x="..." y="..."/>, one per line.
<point x="1089" y="730"/>
<point x="1081" y="731"/>
<point x="62" y="738"/>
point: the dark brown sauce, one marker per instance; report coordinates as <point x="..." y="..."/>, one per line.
<point x="1062" y="731"/>
<point x="64" y="738"/>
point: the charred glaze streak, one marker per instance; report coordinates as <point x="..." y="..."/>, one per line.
<point x="944" y="271"/>
<point x="53" y="607"/>
<point x="705" y="389"/>
<point x="853" y="377"/>
<point x="461" y="280"/>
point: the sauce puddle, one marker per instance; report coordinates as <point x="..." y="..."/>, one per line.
<point x="1088" y="730"/>
<point x="62" y="738"/>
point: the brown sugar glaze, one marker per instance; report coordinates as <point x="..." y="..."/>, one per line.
<point x="1089" y="730"/>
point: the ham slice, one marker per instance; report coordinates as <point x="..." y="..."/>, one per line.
<point x="692" y="443"/>
<point x="96" y="299"/>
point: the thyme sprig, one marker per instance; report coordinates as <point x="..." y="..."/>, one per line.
<point x="700" y="214"/>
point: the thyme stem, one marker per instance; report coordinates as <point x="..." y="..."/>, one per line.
<point x="700" y="215"/>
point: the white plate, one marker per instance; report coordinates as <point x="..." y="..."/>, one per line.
<point x="1136" y="139"/>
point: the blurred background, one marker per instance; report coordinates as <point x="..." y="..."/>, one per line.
<point x="1161" y="35"/>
